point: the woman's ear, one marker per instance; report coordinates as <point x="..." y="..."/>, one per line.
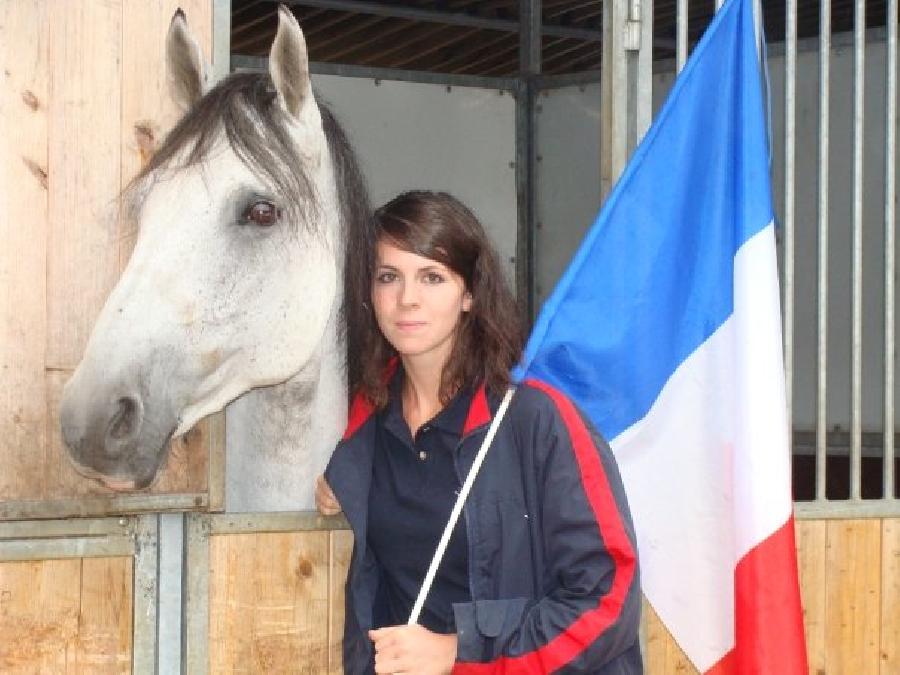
<point x="467" y="301"/>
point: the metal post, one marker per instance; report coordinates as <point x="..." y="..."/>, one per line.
<point x="822" y="273"/>
<point x="196" y="589"/>
<point x="171" y="564"/>
<point x="790" y="109"/>
<point x="221" y="49"/>
<point x="526" y="160"/>
<point x="859" y="61"/>
<point x="146" y="594"/>
<point x="890" y="193"/>
<point x="681" y="35"/>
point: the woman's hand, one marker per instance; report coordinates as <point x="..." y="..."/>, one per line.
<point x="326" y="502"/>
<point x="413" y="650"/>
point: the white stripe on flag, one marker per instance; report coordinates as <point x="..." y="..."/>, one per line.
<point x="707" y="470"/>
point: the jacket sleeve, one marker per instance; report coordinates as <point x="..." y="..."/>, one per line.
<point x="591" y="612"/>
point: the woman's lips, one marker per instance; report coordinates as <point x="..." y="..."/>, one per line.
<point x="409" y="325"/>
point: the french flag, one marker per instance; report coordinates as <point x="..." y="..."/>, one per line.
<point x="666" y="330"/>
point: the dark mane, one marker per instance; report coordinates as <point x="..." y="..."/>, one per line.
<point x="358" y="236"/>
<point x="243" y="106"/>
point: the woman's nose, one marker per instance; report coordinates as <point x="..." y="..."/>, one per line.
<point x="409" y="294"/>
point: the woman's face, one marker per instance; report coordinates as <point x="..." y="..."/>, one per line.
<point x="418" y="302"/>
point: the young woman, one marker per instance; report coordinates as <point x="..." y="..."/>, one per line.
<point x="541" y="571"/>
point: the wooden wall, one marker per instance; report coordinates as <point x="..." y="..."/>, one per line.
<point x="66" y="616"/>
<point x="276" y="601"/>
<point x="850" y="583"/>
<point x="82" y="102"/>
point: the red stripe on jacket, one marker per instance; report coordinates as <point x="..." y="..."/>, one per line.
<point x="588" y="627"/>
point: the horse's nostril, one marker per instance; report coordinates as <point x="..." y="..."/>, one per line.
<point x="124" y="423"/>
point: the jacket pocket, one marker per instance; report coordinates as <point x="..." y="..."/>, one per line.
<point x="483" y="626"/>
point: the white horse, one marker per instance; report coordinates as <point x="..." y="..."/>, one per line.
<point x="233" y="295"/>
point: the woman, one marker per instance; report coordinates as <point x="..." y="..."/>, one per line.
<point x="541" y="572"/>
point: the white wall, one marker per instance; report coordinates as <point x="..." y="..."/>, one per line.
<point x="457" y="139"/>
<point x="568" y="199"/>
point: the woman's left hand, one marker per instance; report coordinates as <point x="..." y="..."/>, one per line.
<point x="413" y="650"/>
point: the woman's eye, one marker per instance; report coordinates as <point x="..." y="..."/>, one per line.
<point x="263" y="213"/>
<point x="386" y="277"/>
<point x="433" y="278"/>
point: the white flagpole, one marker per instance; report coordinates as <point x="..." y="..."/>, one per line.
<point x="457" y="508"/>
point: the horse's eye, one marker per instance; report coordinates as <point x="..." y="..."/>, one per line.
<point x="263" y="213"/>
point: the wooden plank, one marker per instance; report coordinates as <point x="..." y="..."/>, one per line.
<point x="656" y="639"/>
<point x="890" y="596"/>
<point x="268" y="597"/>
<point x="105" y="616"/>
<point x="662" y="655"/>
<point x="853" y="596"/>
<point x="39" y="614"/>
<point x="811" y="540"/>
<point x="85" y="118"/>
<point x="341" y="543"/>
<point x="24" y="93"/>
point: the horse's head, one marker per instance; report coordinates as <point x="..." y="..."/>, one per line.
<point x="235" y="272"/>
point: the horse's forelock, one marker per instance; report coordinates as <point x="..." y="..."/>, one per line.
<point x="243" y="108"/>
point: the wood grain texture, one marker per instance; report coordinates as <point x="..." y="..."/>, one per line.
<point x="268" y="603"/>
<point x="66" y="616"/>
<point x="853" y="596"/>
<point x="811" y="539"/>
<point x="341" y="542"/>
<point x="105" y="616"/>
<point x="24" y="92"/>
<point x="85" y="118"/>
<point x="890" y="596"/>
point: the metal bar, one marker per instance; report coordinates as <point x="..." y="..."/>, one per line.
<point x="101" y="506"/>
<point x="171" y="564"/>
<point x="221" y="49"/>
<point x="48" y="529"/>
<point x="681" y="35"/>
<point x="859" y="54"/>
<point x="260" y="64"/>
<point x="216" y="456"/>
<point x="529" y="67"/>
<point x="196" y="603"/>
<point x="790" y="116"/>
<point x="644" y="79"/>
<point x="890" y="194"/>
<point x="282" y="521"/>
<point x="833" y="509"/>
<point x="67" y="547"/>
<point x="822" y="250"/>
<point x="146" y="594"/>
<point x="449" y="18"/>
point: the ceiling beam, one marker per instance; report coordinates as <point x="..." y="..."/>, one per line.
<point x="449" y="18"/>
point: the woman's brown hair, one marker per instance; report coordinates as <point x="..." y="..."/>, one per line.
<point x="489" y="340"/>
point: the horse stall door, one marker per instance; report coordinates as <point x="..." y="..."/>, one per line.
<point x="83" y="103"/>
<point x="265" y="593"/>
<point x="78" y="596"/>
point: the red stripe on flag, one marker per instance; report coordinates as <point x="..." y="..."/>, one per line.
<point x="590" y="625"/>
<point x="769" y="634"/>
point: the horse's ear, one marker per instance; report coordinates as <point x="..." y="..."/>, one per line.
<point x="289" y="63"/>
<point x="185" y="64"/>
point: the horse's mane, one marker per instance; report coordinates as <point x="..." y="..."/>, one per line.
<point x="243" y="107"/>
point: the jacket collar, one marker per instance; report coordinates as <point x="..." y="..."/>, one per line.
<point x="361" y="408"/>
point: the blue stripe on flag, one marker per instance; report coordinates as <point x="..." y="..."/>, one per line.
<point x="653" y="278"/>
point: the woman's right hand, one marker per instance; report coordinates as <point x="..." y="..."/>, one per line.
<point x="326" y="502"/>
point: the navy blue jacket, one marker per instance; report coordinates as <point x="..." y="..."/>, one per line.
<point x="552" y="554"/>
